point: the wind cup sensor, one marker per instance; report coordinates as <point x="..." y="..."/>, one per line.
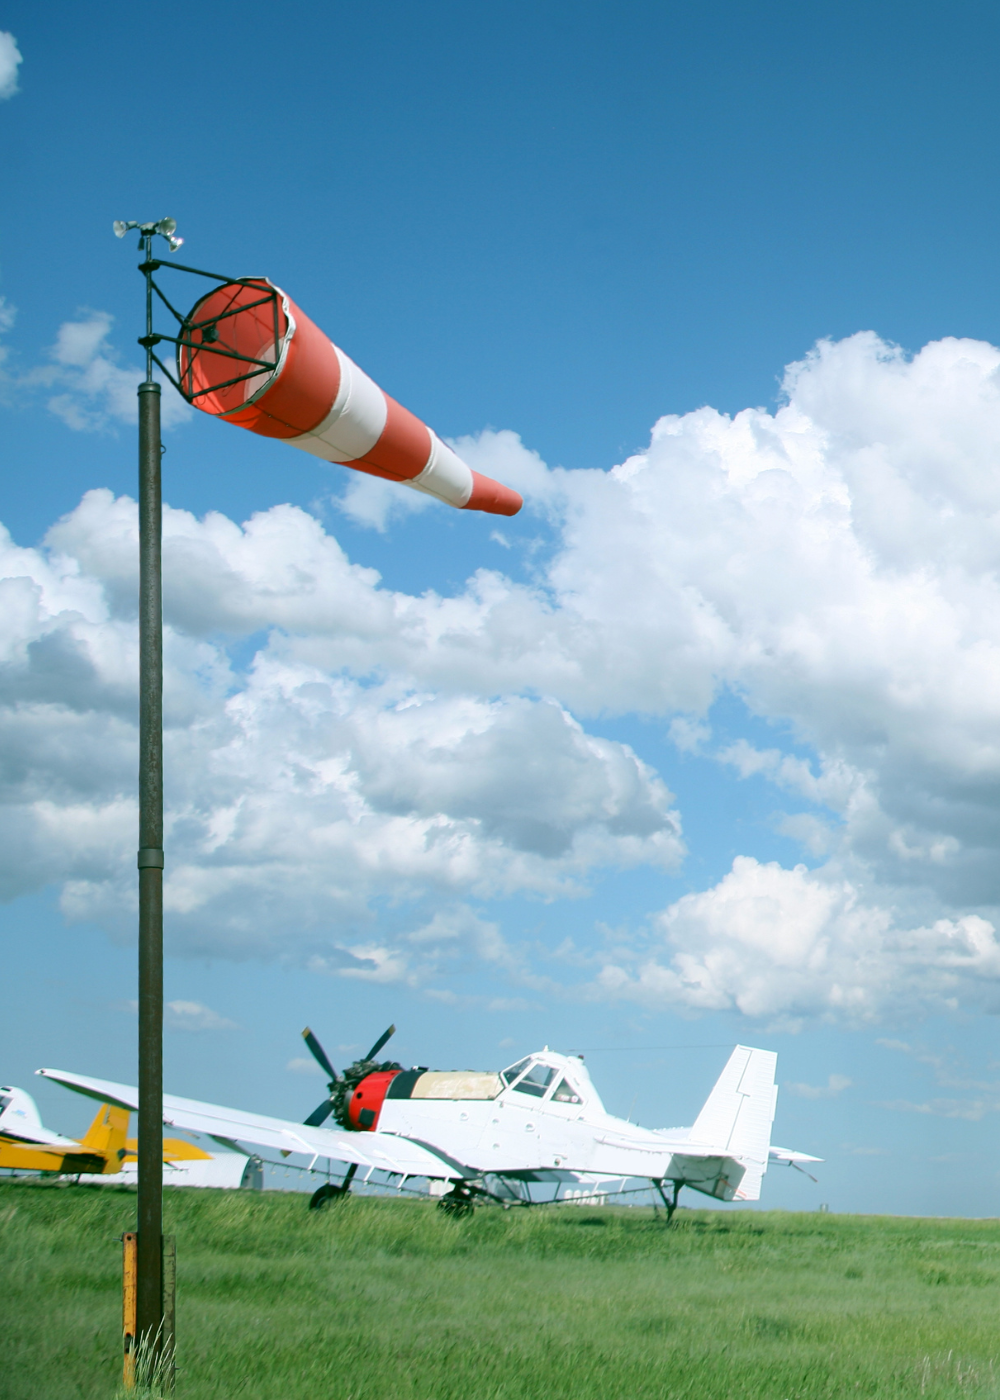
<point x="166" y="228"/>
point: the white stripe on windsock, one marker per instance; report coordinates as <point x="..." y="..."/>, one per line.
<point x="355" y="422"/>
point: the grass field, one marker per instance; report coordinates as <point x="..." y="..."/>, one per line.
<point x="390" y="1300"/>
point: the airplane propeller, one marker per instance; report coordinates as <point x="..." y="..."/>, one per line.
<point x="320" y="1055"/>
<point x="340" y="1085"/>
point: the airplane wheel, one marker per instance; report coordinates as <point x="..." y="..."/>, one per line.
<point x="457" y="1204"/>
<point x="327" y="1195"/>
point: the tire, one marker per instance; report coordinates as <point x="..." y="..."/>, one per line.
<point x="328" y="1194"/>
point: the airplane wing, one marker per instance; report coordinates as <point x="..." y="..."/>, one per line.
<point x="381" y="1151"/>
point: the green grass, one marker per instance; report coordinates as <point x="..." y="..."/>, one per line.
<point x="390" y="1300"/>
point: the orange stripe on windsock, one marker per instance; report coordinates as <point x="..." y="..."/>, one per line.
<point x="491" y="496"/>
<point x="405" y="445"/>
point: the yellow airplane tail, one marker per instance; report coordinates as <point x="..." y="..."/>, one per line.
<point x="106" y="1137"/>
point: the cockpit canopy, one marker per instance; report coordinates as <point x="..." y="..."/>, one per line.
<point x="552" y="1077"/>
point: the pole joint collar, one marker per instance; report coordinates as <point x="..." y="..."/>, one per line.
<point x="150" y="857"/>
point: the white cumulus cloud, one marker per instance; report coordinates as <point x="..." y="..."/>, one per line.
<point x="193" y="1016"/>
<point x="297" y="794"/>
<point x="10" y="61"/>
<point x="82" y="381"/>
<point x="834" y="1086"/>
<point x="302" y="1064"/>
<point x="833" y="564"/>
<point x="92" y="389"/>
<point x="773" y="942"/>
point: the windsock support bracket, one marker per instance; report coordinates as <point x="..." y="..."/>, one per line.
<point x="186" y="327"/>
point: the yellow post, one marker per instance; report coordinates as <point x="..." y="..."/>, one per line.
<point x="129" y="1254"/>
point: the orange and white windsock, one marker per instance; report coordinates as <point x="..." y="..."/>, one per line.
<point x="316" y="397"/>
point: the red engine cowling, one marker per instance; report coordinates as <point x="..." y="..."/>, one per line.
<point x="366" y="1102"/>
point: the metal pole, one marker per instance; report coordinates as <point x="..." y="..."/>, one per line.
<point x="149" y="1282"/>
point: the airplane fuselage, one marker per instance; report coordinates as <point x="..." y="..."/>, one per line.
<point x="542" y="1114"/>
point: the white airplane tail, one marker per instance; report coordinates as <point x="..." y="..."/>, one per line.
<point x="18" y="1115"/>
<point x="739" y="1111"/>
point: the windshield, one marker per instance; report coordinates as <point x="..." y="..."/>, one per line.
<point x="509" y="1075"/>
<point x="536" y="1081"/>
<point x="566" y="1093"/>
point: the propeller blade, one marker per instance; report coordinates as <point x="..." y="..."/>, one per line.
<point x="319" y="1054"/>
<point x="380" y="1042"/>
<point x="319" y="1115"/>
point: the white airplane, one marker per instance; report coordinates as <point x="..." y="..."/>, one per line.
<point x="488" y="1135"/>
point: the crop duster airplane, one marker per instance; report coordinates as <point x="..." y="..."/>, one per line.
<point x="26" y="1145"/>
<point x="488" y="1135"/>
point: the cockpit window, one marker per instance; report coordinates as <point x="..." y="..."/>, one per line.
<point x="536" y="1081"/>
<point x="565" y="1093"/>
<point x="509" y="1075"/>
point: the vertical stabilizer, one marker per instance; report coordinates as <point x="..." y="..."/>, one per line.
<point x="739" y="1111"/>
<point x="19" y="1116"/>
<point x="106" y="1135"/>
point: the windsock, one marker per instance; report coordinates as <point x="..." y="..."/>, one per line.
<point x="315" y="397"/>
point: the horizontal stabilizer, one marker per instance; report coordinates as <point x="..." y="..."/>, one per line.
<point x="788" y="1158"/>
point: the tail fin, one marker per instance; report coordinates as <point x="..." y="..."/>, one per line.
<point x="739" y="1111"/>
<point x="106" y="1136"/>
<point x="19" y="1115"/>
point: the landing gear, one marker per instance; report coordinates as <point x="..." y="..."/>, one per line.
<point x="328" y="1194"/>
<point x="458" y="1202"/>
<point x="669" y="1205"/>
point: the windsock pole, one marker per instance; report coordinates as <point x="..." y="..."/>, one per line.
<point x="149" y="1276"/>
<point x="245" y="353"/>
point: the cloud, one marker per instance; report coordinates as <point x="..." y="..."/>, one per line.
<point x="453" y="939"/>
<point x="369" y="501"/>
<point x="769" y="941"/>
<point x="298" y="793"/>
<point x="831" y="565"/>
<point x="82" y="381"/>
<point x="192" y="1016"/>
<point x="835" y="1084"/>
<point x="937" y="1062"/>
<point x="972" y="1110"/>
<point x="689" y="735"/>
<point x="93" y="390"/>
<point x="304" y="1065"/>
<point x="10" y="59"/>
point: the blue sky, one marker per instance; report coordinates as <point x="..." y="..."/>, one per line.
<point x="700" y="750"/>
